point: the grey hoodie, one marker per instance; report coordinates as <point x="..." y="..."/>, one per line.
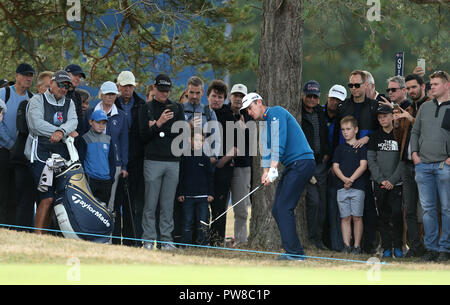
<point x="428" y="138"/>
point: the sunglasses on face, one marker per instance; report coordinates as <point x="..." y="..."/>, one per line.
<point x="392" y="89"/>
<point x="350" y="85"/>
<point x="64" y="85"/>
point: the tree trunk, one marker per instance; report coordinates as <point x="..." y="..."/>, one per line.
<point x="279" y="83"/>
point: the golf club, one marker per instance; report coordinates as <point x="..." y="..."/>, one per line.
<point x="127" y="192"/>
<point x="206" y="224"/>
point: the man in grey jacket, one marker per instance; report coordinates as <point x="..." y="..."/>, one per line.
<point x="50" y="117"/>
<point x="430" y="147"/>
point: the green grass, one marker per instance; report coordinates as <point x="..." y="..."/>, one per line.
<point x="32" y="259"/>
<point x="206" y="275"/>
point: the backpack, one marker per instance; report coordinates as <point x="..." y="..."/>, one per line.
<point x="16" y="154"/>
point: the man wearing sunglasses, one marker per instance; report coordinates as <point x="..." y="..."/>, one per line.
<point x="315" y="129"/>
<point x="364" y="109"/>
<point x="51" y="116"/>
<point x="397" y="91"/>
<point x="430" y="147"/>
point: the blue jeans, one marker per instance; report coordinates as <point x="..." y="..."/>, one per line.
<point x="194" y="210"/>
<point x="433" y="179"/>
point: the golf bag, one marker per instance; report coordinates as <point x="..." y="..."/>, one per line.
<point x="76" y="209"/>
<point x="79" y="214"/>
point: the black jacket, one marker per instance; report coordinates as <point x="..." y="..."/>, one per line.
<point x="367" y="117"/>
<point x="136" y="147"/>
<point x="225" y="114"/>
<point x="200" y="168"/>
<point x="158" y="141"/>
<point x="308" y="130"/>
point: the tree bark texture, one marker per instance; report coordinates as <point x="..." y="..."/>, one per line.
<point x="279" y="83"/>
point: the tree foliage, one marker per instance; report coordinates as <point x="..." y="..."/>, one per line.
<point x="144" y="36"/>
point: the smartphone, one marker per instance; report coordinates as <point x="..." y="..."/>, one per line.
<point x="421" y="63"/>
<point x="171" y="107"/>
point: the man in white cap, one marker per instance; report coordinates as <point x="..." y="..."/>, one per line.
<point x="240" y="182"/>
<point x="285" y="143"/>
<point x="336" y="95"/>
<point x="130" y="102"/>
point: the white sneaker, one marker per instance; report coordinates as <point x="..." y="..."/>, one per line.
<point x="148" y="246"/>
<point x="168" y="247"/>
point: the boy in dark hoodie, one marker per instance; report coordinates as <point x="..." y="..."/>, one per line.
<point x="195" y="190"/>
<point x="383" y="157"/>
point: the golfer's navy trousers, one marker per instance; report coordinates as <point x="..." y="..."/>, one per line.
<point x="290" y="187"/>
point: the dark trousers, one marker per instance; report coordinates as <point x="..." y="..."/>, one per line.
<point x="369" y="220"/>
<point x="194" y="210"/>
<point x="17" y="192"/>
<point x="389" y="204"/>
<point x="7" y="187"/>
<point x="316" y="203"/>
<point x="334" y="219"/>
<point x="222" y="185"/>
<point x="101" y="189"/>
<point x="136" y="190"/>
<point x="293" y="180"/>
<point x="123" y="223"/>
<point x="26" y="195"/>
<point x="411" y="197"/>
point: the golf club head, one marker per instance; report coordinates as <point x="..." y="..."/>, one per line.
<point x="204" y="223"/>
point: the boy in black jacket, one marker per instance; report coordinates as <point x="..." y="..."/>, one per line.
<point x="195" y="190"/>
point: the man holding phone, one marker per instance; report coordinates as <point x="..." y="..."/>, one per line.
<point x="161" y="167"/>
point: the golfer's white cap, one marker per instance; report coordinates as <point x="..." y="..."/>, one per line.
<point x="338" y="92"/>
<point x="250" y="98"/>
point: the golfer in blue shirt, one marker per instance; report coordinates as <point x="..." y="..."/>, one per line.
<point x="285" y="143"/>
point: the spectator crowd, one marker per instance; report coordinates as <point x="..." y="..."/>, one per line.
<point x="381" y="181"/>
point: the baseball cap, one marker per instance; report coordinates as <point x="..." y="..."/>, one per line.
<point x="338" y="92"/>
<point x="250" y="98"/>
<point x="61" y="76"/>
<point x="239" y="88"/>
<point x="75" y="70"/>
<point x="126" y="78"/>
<point x="311" y="87"/>
<point x="109" y="87"/>
<point x="99" y="115"/>
<point x="385" y="109"/>
<point x="24" y="69"/>
<point x="163" y="82"/>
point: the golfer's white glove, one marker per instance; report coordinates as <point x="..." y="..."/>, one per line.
<point x="272" y="174"/>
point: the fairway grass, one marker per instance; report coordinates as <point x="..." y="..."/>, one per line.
<point x="44" y="274"/>
<point x="32" y="259"/>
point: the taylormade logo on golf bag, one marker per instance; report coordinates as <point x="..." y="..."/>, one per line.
<point x="79" y="200"/>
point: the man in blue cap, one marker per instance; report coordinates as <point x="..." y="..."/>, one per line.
<point x="16" y="186"/>
<point x="316" y="131"/>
